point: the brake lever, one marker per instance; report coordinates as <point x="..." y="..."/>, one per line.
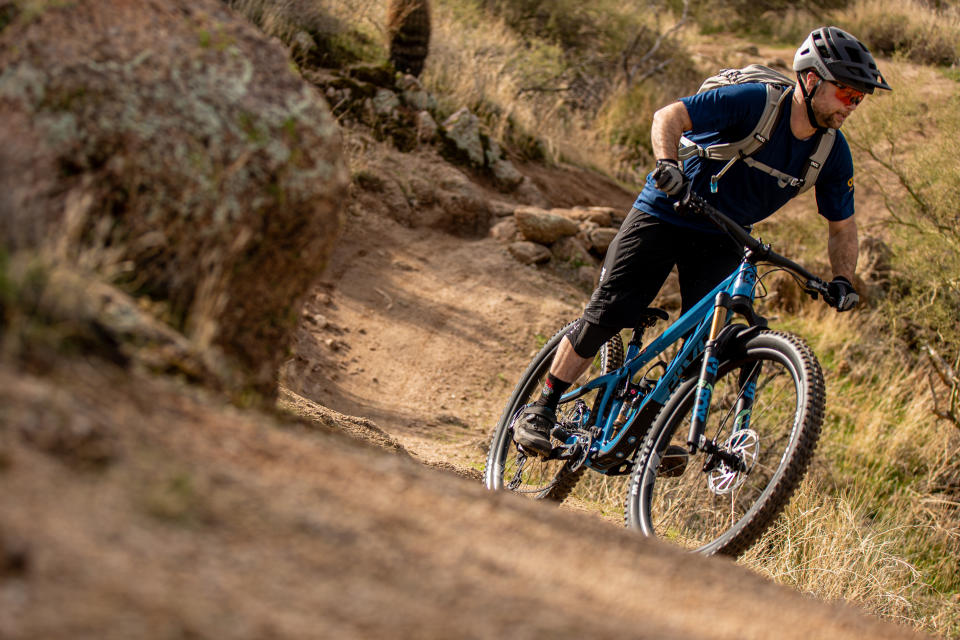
<point x="816" y="288"/>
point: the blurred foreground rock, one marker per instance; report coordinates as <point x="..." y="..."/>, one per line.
<point x="170" y="148"/>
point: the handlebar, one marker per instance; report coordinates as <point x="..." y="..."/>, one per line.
<point x="692" y="203"/>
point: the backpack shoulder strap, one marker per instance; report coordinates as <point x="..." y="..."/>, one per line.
<point x="820" y="155"/>
<point x="777" y="95"/>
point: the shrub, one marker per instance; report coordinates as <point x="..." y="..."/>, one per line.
<point x="900" y="131"/>
<point x="923" y="33"/>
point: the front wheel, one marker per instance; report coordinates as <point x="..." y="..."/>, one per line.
<point x="765" y="416"/>
<point x="507" y="467"/>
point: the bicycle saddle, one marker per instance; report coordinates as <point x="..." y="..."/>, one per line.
<point x="649" y="317"/>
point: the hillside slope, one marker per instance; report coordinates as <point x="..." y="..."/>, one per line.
<point x="153" y="511"/>
<point x="139" y="504"/>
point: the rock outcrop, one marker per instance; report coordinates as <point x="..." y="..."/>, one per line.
<point x="576" y="238"/>
<point x="169" y="147"/>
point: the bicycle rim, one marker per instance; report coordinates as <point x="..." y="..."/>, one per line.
<point x="713" y="508"/>
<point x="508" y="468"/>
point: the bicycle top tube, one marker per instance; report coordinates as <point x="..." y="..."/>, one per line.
<point x="691" y="327"/>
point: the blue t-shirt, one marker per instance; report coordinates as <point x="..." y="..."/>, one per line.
<point x="744" y="193"/>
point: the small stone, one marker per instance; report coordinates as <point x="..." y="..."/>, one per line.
<point x="418" y="100"/>
<point x="539" y="225"/>
<point x="501" y="209"/>
<point x="530" y="252"/>
<point x="505" y="230"/>
<point x="385" y="103"/>
<point x="600" y="239"/>
<point x="426" y="127"/>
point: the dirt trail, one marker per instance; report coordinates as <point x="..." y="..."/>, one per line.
<point x="425" y="333"/>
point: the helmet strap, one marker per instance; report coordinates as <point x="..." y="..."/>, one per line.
<point x="808" y="99"/>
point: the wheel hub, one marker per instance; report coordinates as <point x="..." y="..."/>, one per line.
<point x="734" y="461"/>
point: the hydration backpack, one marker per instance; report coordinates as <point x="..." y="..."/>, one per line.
<point x="779" y="91"/>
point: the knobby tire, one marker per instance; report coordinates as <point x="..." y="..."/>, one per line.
<point x="687" y="509"/>
<point x="559" y="483"/>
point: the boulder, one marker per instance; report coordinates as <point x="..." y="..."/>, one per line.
<point x="529" y="252"/>
<point x="421" y="192"/>
<point x="601" y="218"/>
<point x="617" y="216"/>
<point x="539" y="225"/>
<point x="506" y="231"/>
<point x="462" y="132"/>
<point x="571" y="251"/>
<point x="506" y="174"/>
<point x="179" y="157"/>
<point x="601" y="238"/>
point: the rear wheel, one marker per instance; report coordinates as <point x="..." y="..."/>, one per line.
<point x="508" y="468"/>
<point x="765" y="415"/>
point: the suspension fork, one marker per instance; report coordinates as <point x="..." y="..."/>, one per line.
<point x="708" y="373"/>
<point x="747" y="384"/>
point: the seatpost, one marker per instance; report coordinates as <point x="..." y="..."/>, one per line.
<point x="708" y="372"/>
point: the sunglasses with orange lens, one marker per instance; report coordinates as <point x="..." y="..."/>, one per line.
<point x="848" y="96"/>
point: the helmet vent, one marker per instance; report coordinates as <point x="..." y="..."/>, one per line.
<point x="853" y="53"/>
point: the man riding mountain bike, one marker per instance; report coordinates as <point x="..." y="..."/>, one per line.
<point x="834" y="73"/>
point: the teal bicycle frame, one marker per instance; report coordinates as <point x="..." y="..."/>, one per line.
<point x="613" y="445"/>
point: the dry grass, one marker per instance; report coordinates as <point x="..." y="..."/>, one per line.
<point x="914" y="28"/>
<point x="480" y="62"/>
<point x="551" y="101"/>
<point x="875" y="523"/>
<point x="832" y="548"/>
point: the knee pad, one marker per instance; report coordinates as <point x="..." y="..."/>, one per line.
<point x="587" y="338"/>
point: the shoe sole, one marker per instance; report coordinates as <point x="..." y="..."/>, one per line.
<point x="535" y="445"/>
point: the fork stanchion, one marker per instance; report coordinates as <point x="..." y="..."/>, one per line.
<point x="708" y="373"/>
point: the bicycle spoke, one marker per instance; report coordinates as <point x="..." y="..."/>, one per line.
<point x="713" y="494"/>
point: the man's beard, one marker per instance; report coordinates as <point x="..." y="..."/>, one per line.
<point x="830" y="119"/>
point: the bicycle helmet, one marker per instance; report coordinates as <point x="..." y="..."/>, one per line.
<point x="838" y="57"/>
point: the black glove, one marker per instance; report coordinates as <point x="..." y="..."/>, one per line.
<point x="669" y="177"/>
<point x="841" y="294"/>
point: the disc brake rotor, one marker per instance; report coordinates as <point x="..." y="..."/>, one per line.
<point x="745" y="444"/>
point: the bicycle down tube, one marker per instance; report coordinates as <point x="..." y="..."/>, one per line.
<point x="695" y="327"/>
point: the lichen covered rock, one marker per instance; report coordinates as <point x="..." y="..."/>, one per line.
<point x="170" y="147"/>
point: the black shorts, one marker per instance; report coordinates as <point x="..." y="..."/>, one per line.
<point x="640" y="259"/>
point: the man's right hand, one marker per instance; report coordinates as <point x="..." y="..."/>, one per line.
<point x="669" y="177"/>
